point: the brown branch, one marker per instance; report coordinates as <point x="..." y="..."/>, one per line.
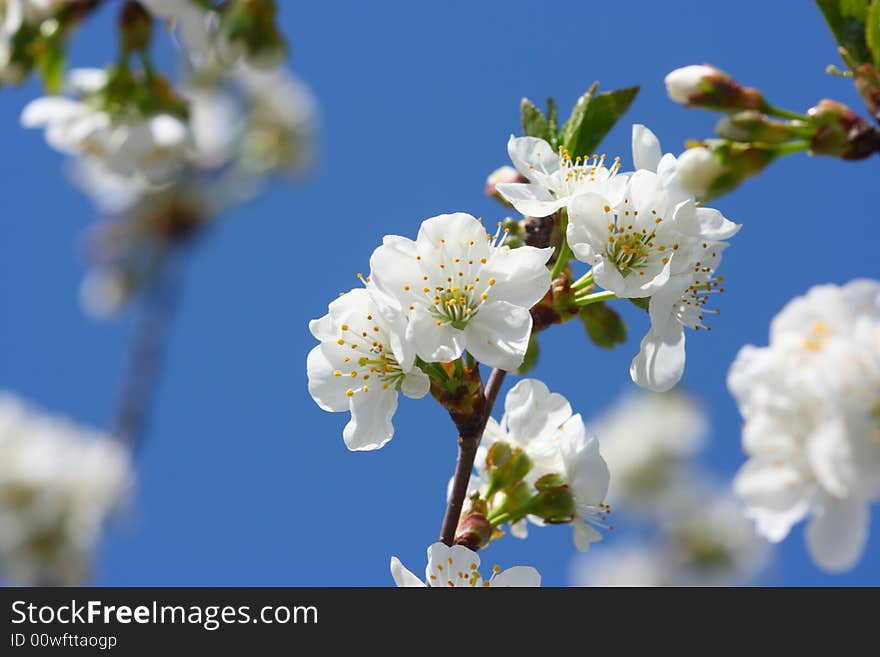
<point x="468" y="441"/>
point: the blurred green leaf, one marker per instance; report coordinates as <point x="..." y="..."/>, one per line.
<point x="847" y="19"/>
<point x="51" y="63"/>
<point x="641" y="302"/>
<point x="592" y="117"/>
<point x="604" y="326"/>
<point x="531" y="357"/>
<point x="533" y="122"/>
<point x="553" y="123"/>
<point x="872" y="32"/>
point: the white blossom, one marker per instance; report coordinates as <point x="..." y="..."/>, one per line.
<point x="459" y="289"/>
<point x="699" y="538"/>
<point x="554" y="179"/>
<point x="646" y="439"/>
<point x="812" y="421"/>
<point x="196" y="26"/>
<point x="543" y="425"/>
<point x="360" y="366"/>
<point x="281" y="120"/>
<point x="656" y="243"/>
<point x="151" y="146"/>
<point x="458" y="566"/>
<point x="58" y="484"/>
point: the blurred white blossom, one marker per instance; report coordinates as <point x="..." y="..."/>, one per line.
<point x="699" y="538"/>
<point x="646" y="439"/>
<point x="811" y="405"/>
<point x="58" y="484"/>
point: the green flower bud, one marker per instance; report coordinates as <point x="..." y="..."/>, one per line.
<point x="842" y="133"/>
<point x="718" y="166"/>
<point x="753" y="126"/>
<point x="867" y="80"/>
<point x="250" y="30"/>
<point x="506" y="466"/>
<point x="708" y="87"/>
<point x="474" y="531"/>
<point x="554" y="502"/>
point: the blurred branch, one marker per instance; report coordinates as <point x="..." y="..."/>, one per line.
<point x="147" y="351"/>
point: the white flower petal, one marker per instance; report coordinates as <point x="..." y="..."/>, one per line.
<point x="327" y="390"/>
<point x="525" y="576"/>
<point x="521" y="275"/>
<point x="589" y="216"/>
<point x="584" y="535"/>
<point x="660" y="361"/>
<point x="416" y="384"/>
<point x="531" y="410"/>
<point x="403" y="577"/>
<point x="530" y="199"/>
<point x="499" y="334"/>
<point x="371" y="414"/>
<point x="533" y="158"/>
<point x="645" y="148"/>
<point x="433" y="342"/>
<point x="838" y="533"/>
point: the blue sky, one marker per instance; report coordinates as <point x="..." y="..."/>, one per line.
<point x="243" y="480"/>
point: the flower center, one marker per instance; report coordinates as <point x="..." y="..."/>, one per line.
<point x="369" y="360"/>
<point x="691" y="308"/>
<point x="819" y="333"/>
<point x="575" y="172"/>
<point x="445" y="574"/>
<point x="631" y="247"/>
<point x="452" y="288"/>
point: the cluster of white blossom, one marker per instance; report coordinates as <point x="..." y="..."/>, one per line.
<point x="58" y="484"/>
<point x="811" y="405"/>
<point x="455" y="288"/>
<point x="691" y="531"/>
<point x="459" y="290"/>
<point x="643" y="235"/>
<point x="557" y="445"/>
<point x="163" y="162"/>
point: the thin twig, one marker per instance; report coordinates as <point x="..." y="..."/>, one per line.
<point x="467" y="452"/>
<point x="147" y="353"/>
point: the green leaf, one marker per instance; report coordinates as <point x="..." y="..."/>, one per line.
<point x="847" y="18"/>
<point x="577" y="115"/>
<point x="641" y="302"/>
<point x="872" y="32"/>
<point x="604" y="326"/>
<point x="51" y="64"/>
<point x="531" y="357"/>
<point x="553" y="123"/>
<point x="533" y="122"/>
<point x="593" y="117"/>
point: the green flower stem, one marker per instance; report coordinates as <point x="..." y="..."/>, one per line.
<point x="584" y="281"/>
<point x="564" y="252"/>
<point x="783" y="113"/>
<point x="792" y="147"/>
<point x="596" y="297"/>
